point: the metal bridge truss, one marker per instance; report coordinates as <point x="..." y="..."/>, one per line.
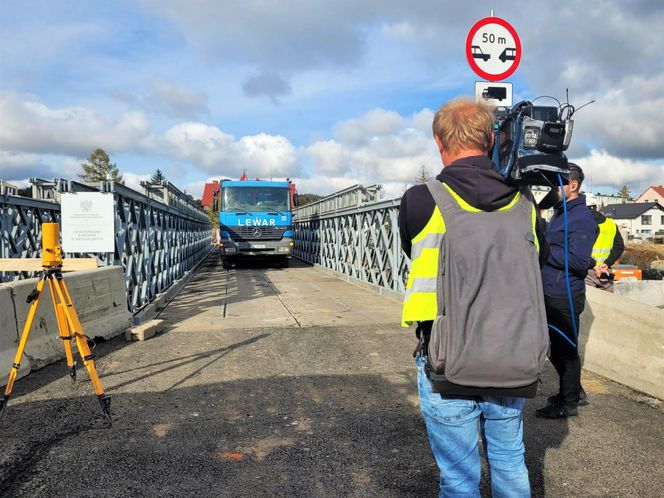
<point x="155" y="242"/>
<point x="362" y="243"/>
<point x="354" y="196"/>
<point x="20" y="229"/>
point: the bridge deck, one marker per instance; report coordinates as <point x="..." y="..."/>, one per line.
<point x="274" y="382"/>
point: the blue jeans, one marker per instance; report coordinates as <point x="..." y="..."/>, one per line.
<point x="452" y="424"/>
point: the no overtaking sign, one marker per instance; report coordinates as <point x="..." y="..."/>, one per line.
<point x="493" y="48"/>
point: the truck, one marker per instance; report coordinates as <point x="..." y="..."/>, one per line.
<point x="256" y="220"/>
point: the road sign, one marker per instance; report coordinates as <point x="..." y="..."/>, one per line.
<point x="494" y="94"/>
<point x="493" y="48"/>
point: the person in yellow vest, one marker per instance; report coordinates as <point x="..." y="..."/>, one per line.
<point x="463" y="132"/>
<point x="607" y="249"/>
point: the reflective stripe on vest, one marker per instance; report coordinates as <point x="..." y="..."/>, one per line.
<point x="420" y="299"/>
<point x="420" y="303"/>
<point x="604" y="241"/>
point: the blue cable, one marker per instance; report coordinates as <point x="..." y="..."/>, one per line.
<point x="569" y="289"/>
<point x="562" y="334"/>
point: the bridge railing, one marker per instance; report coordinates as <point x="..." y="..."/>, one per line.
<point x="354" y="196"/>
<point x="155" y="242"/>
<point x="359" y="242"/>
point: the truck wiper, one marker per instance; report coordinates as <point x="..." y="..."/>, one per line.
<point x="238" y="211"/>
<point x="270" y="208"/>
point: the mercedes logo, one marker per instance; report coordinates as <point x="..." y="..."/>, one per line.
<point x="257" y="232"/>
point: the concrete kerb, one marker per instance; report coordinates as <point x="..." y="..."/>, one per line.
<point x="161" y="301"/>
<point x="145" y="330"/>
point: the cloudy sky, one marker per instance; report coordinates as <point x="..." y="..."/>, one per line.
<point x="328" y="93"/>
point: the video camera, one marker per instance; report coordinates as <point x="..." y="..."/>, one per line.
<point x="530" y="141"/>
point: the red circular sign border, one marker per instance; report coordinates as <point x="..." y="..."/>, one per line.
<point x="469" y="43"/>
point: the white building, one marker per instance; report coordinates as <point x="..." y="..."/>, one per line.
<point x="601" y="200"/>
<point x="643" y="219"/>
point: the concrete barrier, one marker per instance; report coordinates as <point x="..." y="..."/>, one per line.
<point x="99" y="298"/>
<point x="645" y="291"/>
<point x="623" y="340"/>
<point x="9" y="336"/>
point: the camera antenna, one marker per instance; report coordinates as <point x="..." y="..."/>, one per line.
<point x="587" y="103"/>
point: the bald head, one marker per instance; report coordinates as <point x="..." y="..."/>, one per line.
<point x="464" y="125"/>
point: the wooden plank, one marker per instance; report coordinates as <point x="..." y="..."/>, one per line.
<point x="35" y="264"/>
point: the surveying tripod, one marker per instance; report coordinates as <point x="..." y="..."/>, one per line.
<point x="69" y="326"/>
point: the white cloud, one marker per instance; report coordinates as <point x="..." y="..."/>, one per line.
<point x="133" y="180"/>
<point x="30" y="129"/>
<point x="261" y="155"/>
<point x="379" y="146"/>
<point x="377" y="122"/>
<point x="29" y="126"/>
<point x="20" y="166"/>
<point x="622" y="124"/>
<point x="603" y="169"/>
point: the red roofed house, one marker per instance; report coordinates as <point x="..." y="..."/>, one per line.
<point x="655" y="193"/>
<point x="208" y="193"/>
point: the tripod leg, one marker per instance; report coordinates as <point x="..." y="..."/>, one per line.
<point x="82" y="344"/>
<point x="63" y="329"/>
<point x="35" y="296"/>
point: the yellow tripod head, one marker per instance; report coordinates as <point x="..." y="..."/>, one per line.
<point x="51" y="249"/>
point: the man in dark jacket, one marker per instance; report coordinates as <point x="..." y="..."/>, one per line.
<point x="563" y="275"/>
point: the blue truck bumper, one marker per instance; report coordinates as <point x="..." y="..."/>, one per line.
<point x="283" y="247"/>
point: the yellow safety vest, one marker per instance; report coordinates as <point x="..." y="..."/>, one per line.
<point x="604" y="241"/>
<point x="420" y="303"/>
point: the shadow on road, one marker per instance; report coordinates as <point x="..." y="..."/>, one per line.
<point x="175" y="363"/>
<point x="310" y="436"/>
<point x="542" y="435"/>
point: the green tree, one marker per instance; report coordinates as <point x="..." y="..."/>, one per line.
<point x="157" y="178"/>
<point x="423" y="175"/>
<point x="98" y="168"/>
<point x="305" y="199"/>
<point x="624" y="192"/>
<point x="213" y="214"/>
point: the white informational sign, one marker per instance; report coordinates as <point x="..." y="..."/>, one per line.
<point x="88" y="223"/>
<point x="493" y="49"/>
<point x="494" y="94"/>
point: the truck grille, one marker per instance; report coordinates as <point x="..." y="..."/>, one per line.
<point x="256" y="233"/>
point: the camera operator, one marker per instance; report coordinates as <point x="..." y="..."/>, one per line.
<point x="493" y="224"/>
<point x="563" y="323"/>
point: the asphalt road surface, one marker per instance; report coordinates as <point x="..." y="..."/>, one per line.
<point x="288" y="382"/>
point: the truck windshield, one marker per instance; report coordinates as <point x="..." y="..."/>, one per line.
<point x="256" y="199"/>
